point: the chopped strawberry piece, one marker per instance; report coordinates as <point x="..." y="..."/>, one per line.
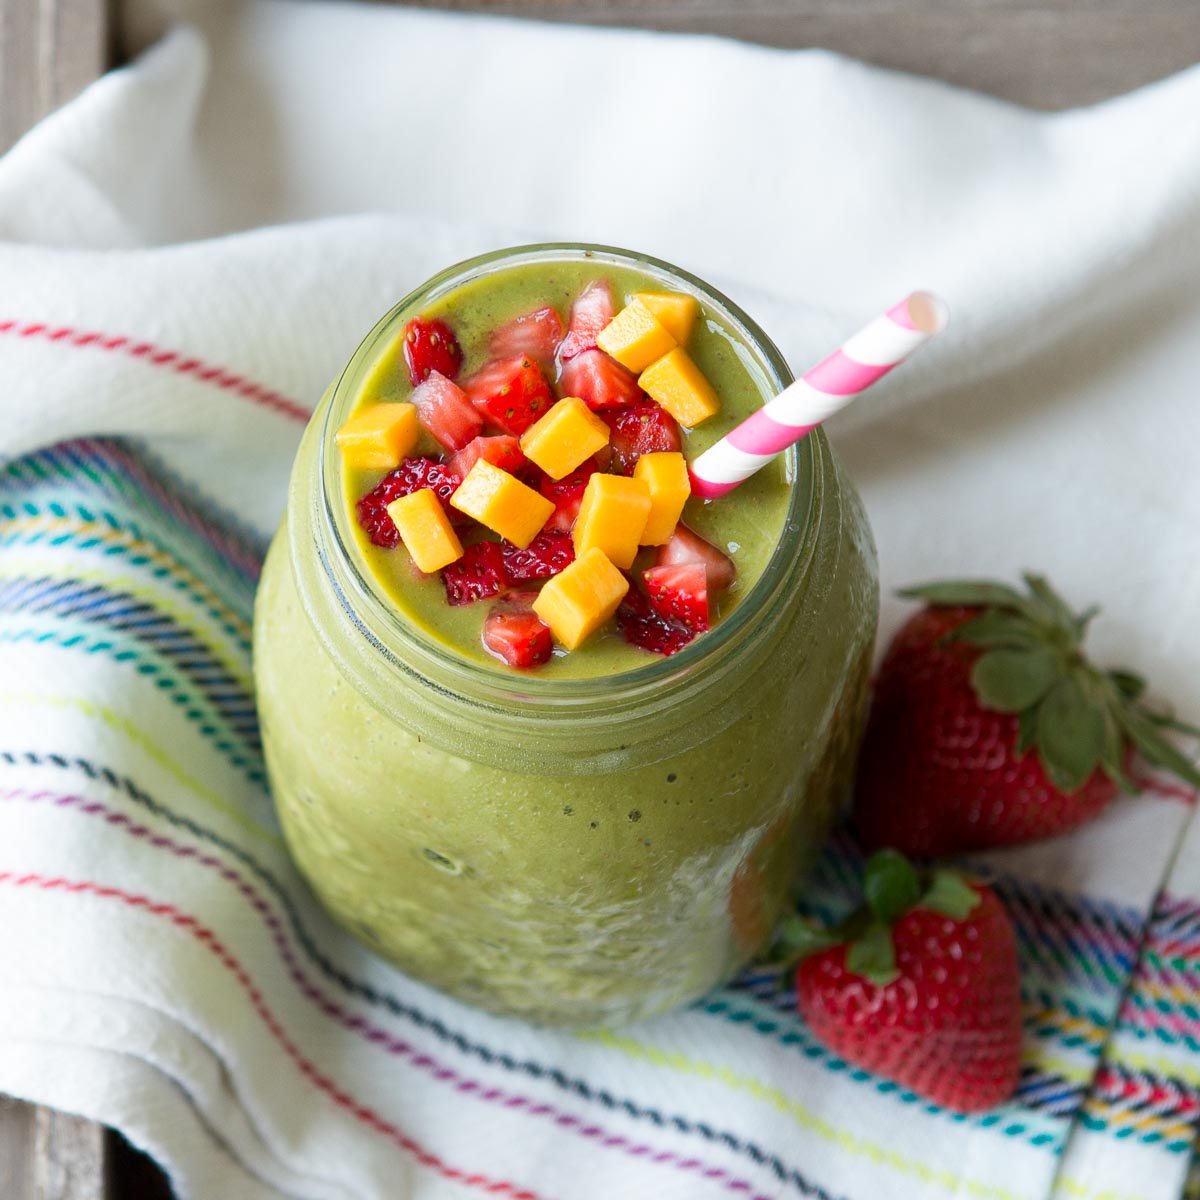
<point x="477" y="575"/>
<point x="431" y="346"/>
<point x="641" y="626"/>
<point x="410" y="476"/>
<point x="510" y="393"/>
<point x="514" y="633"/>
<point x="680" y="593"/>
<point x="546" y="555"/>
<point x="599" y="381"/>
<point x="503" y="451"/>
<point x="643" y="428"/>
<point x="567" y="494"/>
<point x="442" y="408"/>
<point x="536" y="334"/>
<point x="589" y="314"/>
<point x="687" y="546"/>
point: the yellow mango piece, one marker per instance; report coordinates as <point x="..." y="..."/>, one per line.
<point x="680" y="387"/>
<point x="676" y="312"/>
<point x="635" y="337"/>
<point x="577" y="601"/>
<point x="379" y="436"/>
<point x="567" y="435"/>
<point x="425" y="530"/>
<point x="665" y="473"/>
<point x="503" y="503"/>
<point x="611" y="517"/>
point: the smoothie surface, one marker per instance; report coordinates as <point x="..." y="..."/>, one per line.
<point x="746" y="524"/>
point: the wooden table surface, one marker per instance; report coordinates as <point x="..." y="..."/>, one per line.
<point x="1044" y="53"/>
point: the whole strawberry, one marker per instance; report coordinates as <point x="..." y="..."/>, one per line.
<point x="921" y="987"/>
<point x="989" y="727"/>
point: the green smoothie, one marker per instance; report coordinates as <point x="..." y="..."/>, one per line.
<point x="747" y="526"/>
<point x="614" y="833"/>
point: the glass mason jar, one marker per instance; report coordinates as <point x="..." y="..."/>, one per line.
<point x="570" y="851"/>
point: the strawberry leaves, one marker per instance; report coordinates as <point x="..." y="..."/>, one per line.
<point x="1012" y="680"/>
<point x="1070" y="733"/>
<point x="1078" y="718"/>
<point x="892" y="887"/>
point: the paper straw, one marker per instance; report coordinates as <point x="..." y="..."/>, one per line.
<point x="867" y="357"/>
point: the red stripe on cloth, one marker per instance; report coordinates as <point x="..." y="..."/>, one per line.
<point x="1166" y="789"/>
<point x="207" y="938"/>
<point x="158" y="356"/>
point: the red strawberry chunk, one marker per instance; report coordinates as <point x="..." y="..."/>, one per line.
<point x="545" y="556"/>
<point x="515" y="634"/>
<point x="643" y="428"/>
<point x="589" y="314"/>
<point x="567" y="494"/>
<point x="687" y="546"/>
<point x="641" y="626"/>
<point x="410" y="476"/>
<point x="431" y="346"/>
<point x="477" y="575"/>
<point x="599" y="381"/>
<point x="536" y="335"/>
<point x="442" y="408"/>
<point x="503" y="451"/>
<point x="680" y="593"/>
<point x="510" y="393"/>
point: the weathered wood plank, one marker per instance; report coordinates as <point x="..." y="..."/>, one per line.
<point x="46" y="1155"/>
<point x="17" y="1137"/>
<point x="70" y="1157"/>
<point x="49" y="51"/>
<point x="1050" y="54"/>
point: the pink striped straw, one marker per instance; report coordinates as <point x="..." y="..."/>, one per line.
<point x="867" y="357"/>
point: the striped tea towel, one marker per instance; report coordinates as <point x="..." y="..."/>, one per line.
<point x="184" y="264"/>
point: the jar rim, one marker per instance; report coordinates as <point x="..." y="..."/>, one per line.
<point x="438" y="665"/>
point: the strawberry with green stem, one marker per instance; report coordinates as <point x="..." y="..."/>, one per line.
<point x="920" y="986"/>
<point x="989" y="726"/>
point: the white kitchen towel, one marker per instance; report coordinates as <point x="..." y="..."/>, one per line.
<point x="190" y="251"/>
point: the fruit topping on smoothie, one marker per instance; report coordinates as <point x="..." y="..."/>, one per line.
<point x="510" y="393"/>
<point x="443" y="409"/>
<point x="561" y="461"/>
<point x="514" y="633"/>
<point x="478" y="574"/>
<point x="536" y="335"/>
<point x="410" y="476"/>
<point x="590" y="313"/>
<point x="643" y="428"/>
<point x="431" y="346"/>
<point x="379" y="436"/>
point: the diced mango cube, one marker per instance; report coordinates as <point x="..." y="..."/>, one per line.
<point x="578" y="600"/>
<point x="425" y="530"/>
<point x="665" y="473"/>
<point x="680" y="387"/>
<point x="379" y="436"/>
<point x="503" y="503"/>
<point x="566" y="436"/>
<point x="676" y="312"/>
<point x="635" y="337"/>
<point x="611" y="517"/>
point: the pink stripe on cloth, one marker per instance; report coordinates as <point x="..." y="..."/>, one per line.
<point x="158" y="356"/>
<point x="761" y="434"/>
<point x="841" y="376"/>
